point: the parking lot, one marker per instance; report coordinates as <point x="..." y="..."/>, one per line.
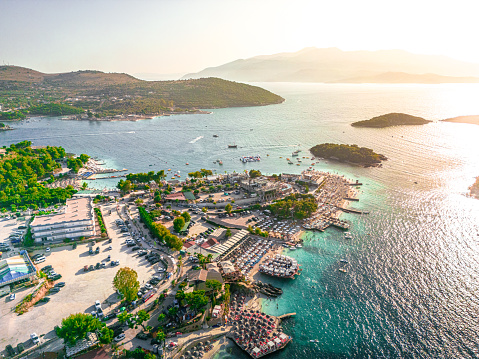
<point x="7" y="228"/>
<point x="81" y="289"/>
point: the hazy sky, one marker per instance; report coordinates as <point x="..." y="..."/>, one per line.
<point x="179" y="36"/>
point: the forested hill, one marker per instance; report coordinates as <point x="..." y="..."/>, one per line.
<point x="391" y="119"/>
<point x="348" y="153"/>
<point x="107" y="94"/>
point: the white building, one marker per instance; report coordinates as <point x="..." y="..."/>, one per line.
<point x="77" y="220"/>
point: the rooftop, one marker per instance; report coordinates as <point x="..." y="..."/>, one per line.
<point x="14" y="268"/>
<point x="176" y="196"/>
<point x="77" y="209"/>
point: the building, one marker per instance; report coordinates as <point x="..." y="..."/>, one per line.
<point x="16" y="269"/>
<point x="77" y="220"/>
<point x="229" y="271"/>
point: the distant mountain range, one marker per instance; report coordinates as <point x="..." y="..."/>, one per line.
<point x="332" y="65"/>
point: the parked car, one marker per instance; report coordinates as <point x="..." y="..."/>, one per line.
<point x="97" y="250"/>
<point x="119" y="338"/>
<point x="91" y="267"/>
<point x="12" y="296"/>
<point x="60" y="284"/>
<point x="35" y="339"/>
<point x="54" y="290"/>
<point x="90" y="251"/>
<point x="47" y="249"/>
<point x="142" y="336"/>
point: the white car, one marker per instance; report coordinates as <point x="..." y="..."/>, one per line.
<point x="34" y="337"/>
<point x="119" y="338"/>
<point x="148" y="286"/>
<point x="97" y="304"/>
<point x="12" y="296"/>
<point x="47" y="249"/>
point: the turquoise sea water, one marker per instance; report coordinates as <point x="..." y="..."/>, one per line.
<point x="412" y="286"/>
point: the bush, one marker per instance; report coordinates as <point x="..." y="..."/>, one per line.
<point x="20" y="348"/>
<point x="10" y="351"/>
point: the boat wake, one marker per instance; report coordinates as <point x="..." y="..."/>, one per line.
<point x="196" y="139"/>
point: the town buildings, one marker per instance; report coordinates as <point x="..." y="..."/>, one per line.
<point x="77" y="220"/>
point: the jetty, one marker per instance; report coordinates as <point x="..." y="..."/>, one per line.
<point x="284" y="316"/>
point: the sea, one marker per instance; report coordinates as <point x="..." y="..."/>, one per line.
<point x="411" y="290"/>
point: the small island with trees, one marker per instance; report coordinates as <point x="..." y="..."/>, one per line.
<point x="354" y="154"/>
<point x="391" y="119"/>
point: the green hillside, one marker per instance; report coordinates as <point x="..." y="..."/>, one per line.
<point x="391" y="119"/>
<point x="108" y="94"/>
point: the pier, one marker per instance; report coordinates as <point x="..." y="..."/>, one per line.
<point x="284" y="316"/>
<point x="349" y="210"/>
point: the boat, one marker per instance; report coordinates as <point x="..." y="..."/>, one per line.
<point x="344" y="261"/>
<point x="299" y="246"/>
<point x="314" y="340"/>
<point x="298" y="164"/>
<point x="220" y="163"/>
<point x="233" y="146"/>
<point x="344" y="270"/>
<point x="294" y="154"/>
<point x="293" y="248"/>
<point x="215" y="136"/>
<point x="348" y="235"/>
<point x="187" y="163"/>
<point x="289" y="162"/>
<point x="245" y="159"/>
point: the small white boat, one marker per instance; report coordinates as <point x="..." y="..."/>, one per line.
<point x="314" y="340"/>
<point x="299" y="246"/>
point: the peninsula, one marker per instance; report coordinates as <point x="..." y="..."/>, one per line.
<point x="94" y="95"/>
<point x="472" y="119"/>
<point x="391" y="119"/>
<point x="474" y="189"/>
<point x="354" y="154"/>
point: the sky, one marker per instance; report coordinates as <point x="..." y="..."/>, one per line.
<point x="181" y="36"/>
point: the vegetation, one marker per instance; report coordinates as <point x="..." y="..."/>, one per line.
<point x="178" y="224"/>
<point x="20" y="169"/>
<point x="75" y="163"/>
<point x="99" y="217"/>
<point x="228" y="208"/>
<point x="391" y="119"/>
<point x="300" y="206"/>
<point x="126" y="282"/>
<point x="54" y="109"/>
<point x="348" y="153"/>
<point x="100" y="94"/>
<point x="77" y="326"/>
<point x="159" y="231"/>
<point x="186" y="216"/>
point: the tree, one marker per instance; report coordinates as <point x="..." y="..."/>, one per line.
<point x="106" y="335"/>
<point x="204" y="209"/>
<point x="214" y="285"/>
<point x="77" y="326"/>
<point x="173" y="311"/>
<point x="228" y="233"/>
<point x="228" y="208"/>
<point x="84" y="185"/>
<point x="160" y="335"/>
<point x="161" y="317"/>
<point x="186" y="216"/>
<point x="125" y="317"/>
<point x="196" y="299"/>
<point x="178" y="223"/>
<point x="126" y="281"/>
<point x="141" y="317"/>
<point x="206" y="173"/>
